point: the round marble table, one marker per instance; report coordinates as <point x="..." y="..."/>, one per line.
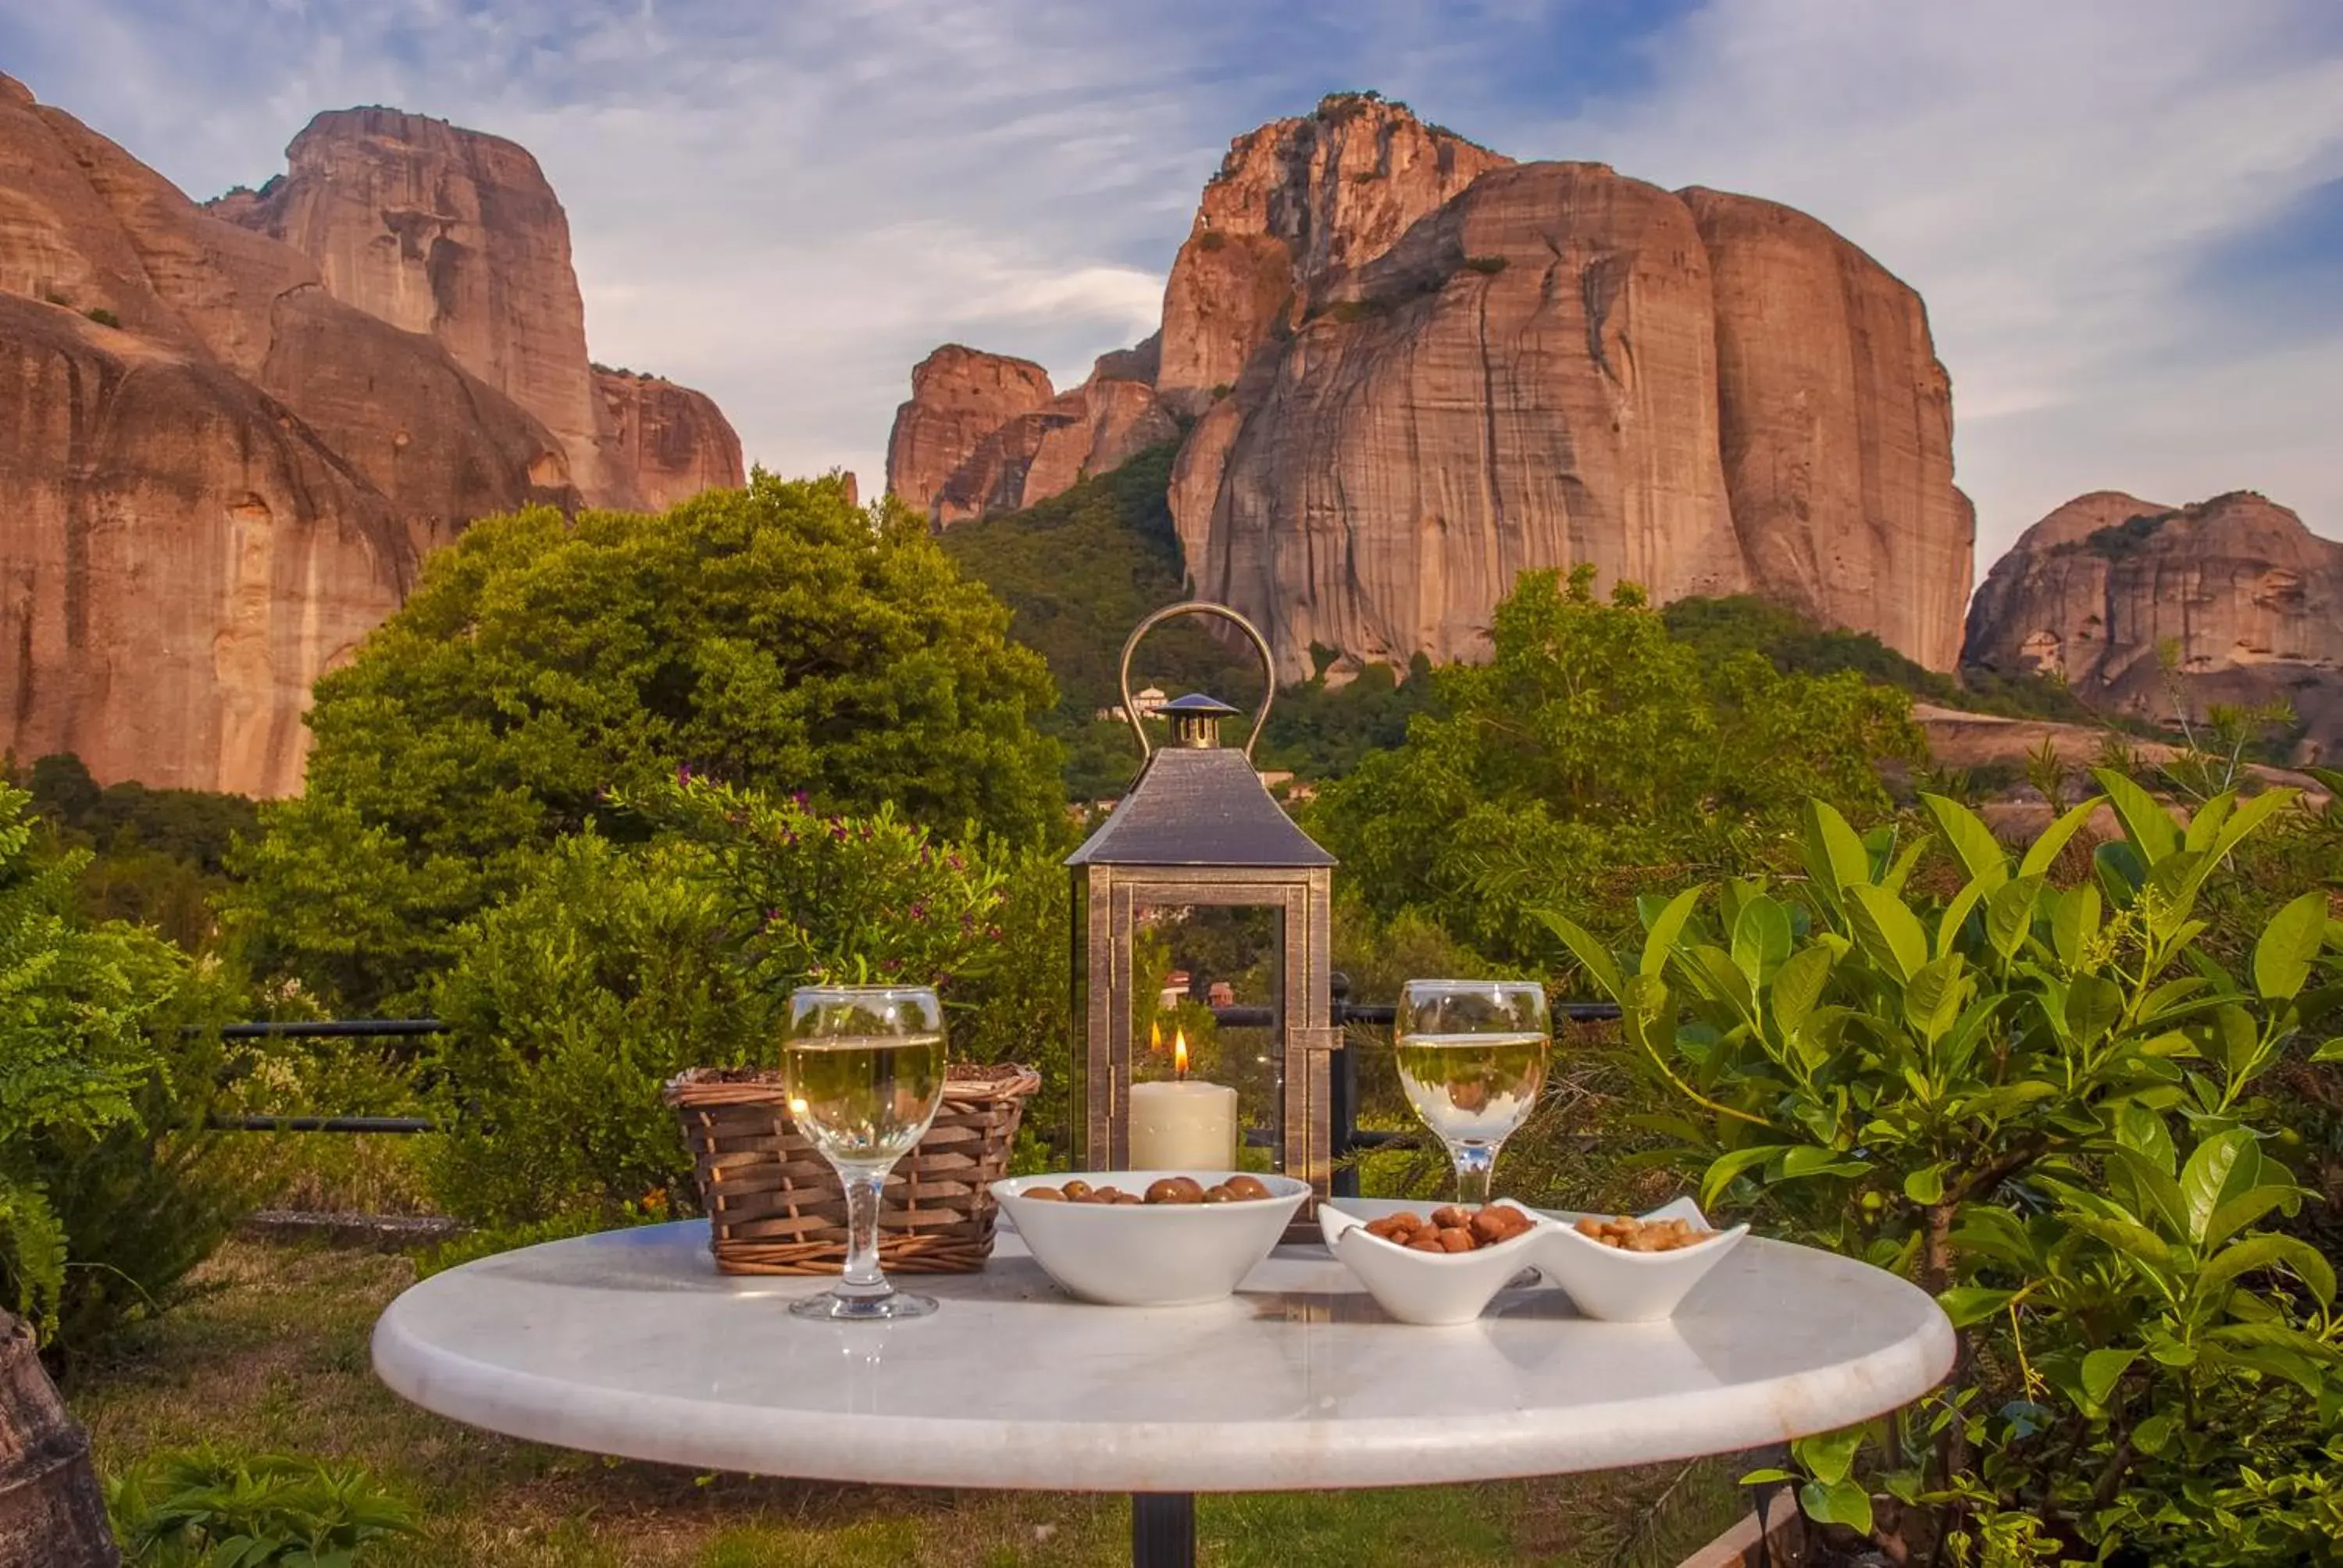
<point x="631" y="1342"/>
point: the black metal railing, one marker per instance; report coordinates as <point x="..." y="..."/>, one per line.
<point x="1349" y="1138"/>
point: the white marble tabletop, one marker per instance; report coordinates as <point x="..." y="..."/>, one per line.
<point x="631" y="1343"/>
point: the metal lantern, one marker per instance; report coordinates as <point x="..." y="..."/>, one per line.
<point x="1198" y="827"/>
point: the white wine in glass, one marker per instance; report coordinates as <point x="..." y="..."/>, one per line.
<point x="864" y="1069"/>
<point x="1472" y="1058"/>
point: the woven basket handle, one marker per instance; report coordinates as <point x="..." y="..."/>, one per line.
<point x="1198" y="607"/>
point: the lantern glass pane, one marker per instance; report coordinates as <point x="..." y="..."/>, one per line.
<point x="1205" y="976"/>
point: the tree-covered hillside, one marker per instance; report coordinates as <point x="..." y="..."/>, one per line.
<point x="1080" y="569"/>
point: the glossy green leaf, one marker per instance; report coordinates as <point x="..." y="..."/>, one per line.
<point x="2289" y="944"/>
<point x="2043" y="851"/>
<point x="1980" y="853"/>
<point x="1761" y="938"/>
<point x="2093" y="1005"/>
<point x="1591" y="956"/>
<point x="1797" y="986"/>
<point x="1889" y="933"/>
<point x="1829" y="1457"/>
<point x="2121" y="871"/>
<point x="2145" y="823"/>
<point x="2074" y="923"/>
<point x="1925" y="1185"/>
<point x="2330" y="1050"/>
<point x="2103" y="1369"/>
<point x="1969" y="1305"/>
<point x="2270" y="1252"/>
<point x="2151" y="1435"/>
<point x="1660" y="942"/>
<point x="2009" y="914"/>
<point x="1841" y="1502"/>
<point x="1835" y="856"/>
<point x="2206" y="1179"/>
<point x="1732" y="1163"/>
<point x="1933" y="999"/>
<point x="1900" y="872"/>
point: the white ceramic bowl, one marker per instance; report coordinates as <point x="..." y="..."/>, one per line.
<point x="1623" y="1287"/>
<point x="1149" y="1254"/>
<point x="1429" y="1288"/>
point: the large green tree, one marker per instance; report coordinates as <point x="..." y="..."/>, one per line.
<point x="777" y="635"/>
<point x="1596" y="756"/>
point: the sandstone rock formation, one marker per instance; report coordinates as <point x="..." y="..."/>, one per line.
<point x="674" y="441"/>
<point x="1297" y="205"/>
<point x="984" y="433"/>
<point x="183" y="558"/>
<point x="2245" y="600"/>
<point x="221" y="475"/>
<point x="958" y="397"/>
<point x="456" y="234"/>
<point x="1836" y="429"/>
<point x="1412" y="368"/>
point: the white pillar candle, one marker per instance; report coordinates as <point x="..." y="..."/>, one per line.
<point x="1183" y="1126"/>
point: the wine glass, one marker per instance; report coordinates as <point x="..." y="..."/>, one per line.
<point x="1472" y="1057"/>
<point x="864" y="1069"/>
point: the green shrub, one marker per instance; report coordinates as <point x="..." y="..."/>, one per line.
<point x="615" y="967"/>
<point x="1599" y="754"/>
<point x="774" y="634"/>
<point x="207" y="1509"/>
<point x="1489" y="266"/>
<point x="606" y="974"/>
<point x="76" y="1059"/>
<point x="2042" y="1103"/>
<point x="103" y="317"/>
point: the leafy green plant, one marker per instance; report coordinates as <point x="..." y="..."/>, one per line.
<point x="808" y="896"/>
<point x="75" y="1003"/>
<point x="1599" y="753"/>
<point x="205" y="1508"/>
<point x="608" y="973"/>
<point x="777" y="635"/>
<point x="2040" y="1103"/>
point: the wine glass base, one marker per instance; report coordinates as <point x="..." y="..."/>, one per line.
<point x="832" y="1308"/>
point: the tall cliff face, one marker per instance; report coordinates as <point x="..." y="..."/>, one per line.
<point x="1412" y="369"/>
<point x="2249" y="601"/>
<point x="1297" y="205"/>
<point x="220" y="496"/>
<point x="183" y="558"/>
<point x="456" y="235"/>
<point x="1836" y="429"/>
<point x="675" y="441"/>
<point x="1527" y="378"/>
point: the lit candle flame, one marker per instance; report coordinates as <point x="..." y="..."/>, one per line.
<point x="1180" y="1054"/>
<point x="1155" y="1037"/>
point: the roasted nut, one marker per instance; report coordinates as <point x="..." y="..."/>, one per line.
<point x="1174" y="1189"/>
<point x="1455" y="1238"/>
<point x="1490" y="1225"/>
<point x="1392" y="1227"/>
<point x="1219" y="1195"/>
<point x="1632" y="1235"/>
<point x="1047" y="1194"/>
<point x="1191" y="1190"/>
<point x="1128" y="1198"/>
<point x="1426" y="1241"/>
<point x="1245" y="1187"/>
<point x="1106" y="1194"/>
<point x="1078" y="1189"/>
<point x="1449" y="1217"/>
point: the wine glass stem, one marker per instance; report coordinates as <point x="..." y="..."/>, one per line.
<point x="862" y="1278"/>
<point x="1474" y="1161"/>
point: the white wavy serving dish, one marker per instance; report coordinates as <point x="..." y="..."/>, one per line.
<point x="1623" y="1287"/>
<point x="1149" y="1254"/>
<point x="1434" y="1289"/>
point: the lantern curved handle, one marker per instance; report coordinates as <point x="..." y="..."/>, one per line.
<point x="1198" y="607"/>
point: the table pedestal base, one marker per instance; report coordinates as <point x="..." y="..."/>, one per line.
<point x="1163" y="1529"/>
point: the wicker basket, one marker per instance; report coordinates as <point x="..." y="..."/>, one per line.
<point x="774" y="1206"/>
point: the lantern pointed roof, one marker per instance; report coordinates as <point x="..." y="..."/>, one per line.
<point x="1199" y="807"/>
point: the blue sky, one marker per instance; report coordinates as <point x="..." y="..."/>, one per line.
<point x="2125" y="215"/>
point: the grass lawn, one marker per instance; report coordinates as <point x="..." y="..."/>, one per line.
<point x="272" y="1357"/>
